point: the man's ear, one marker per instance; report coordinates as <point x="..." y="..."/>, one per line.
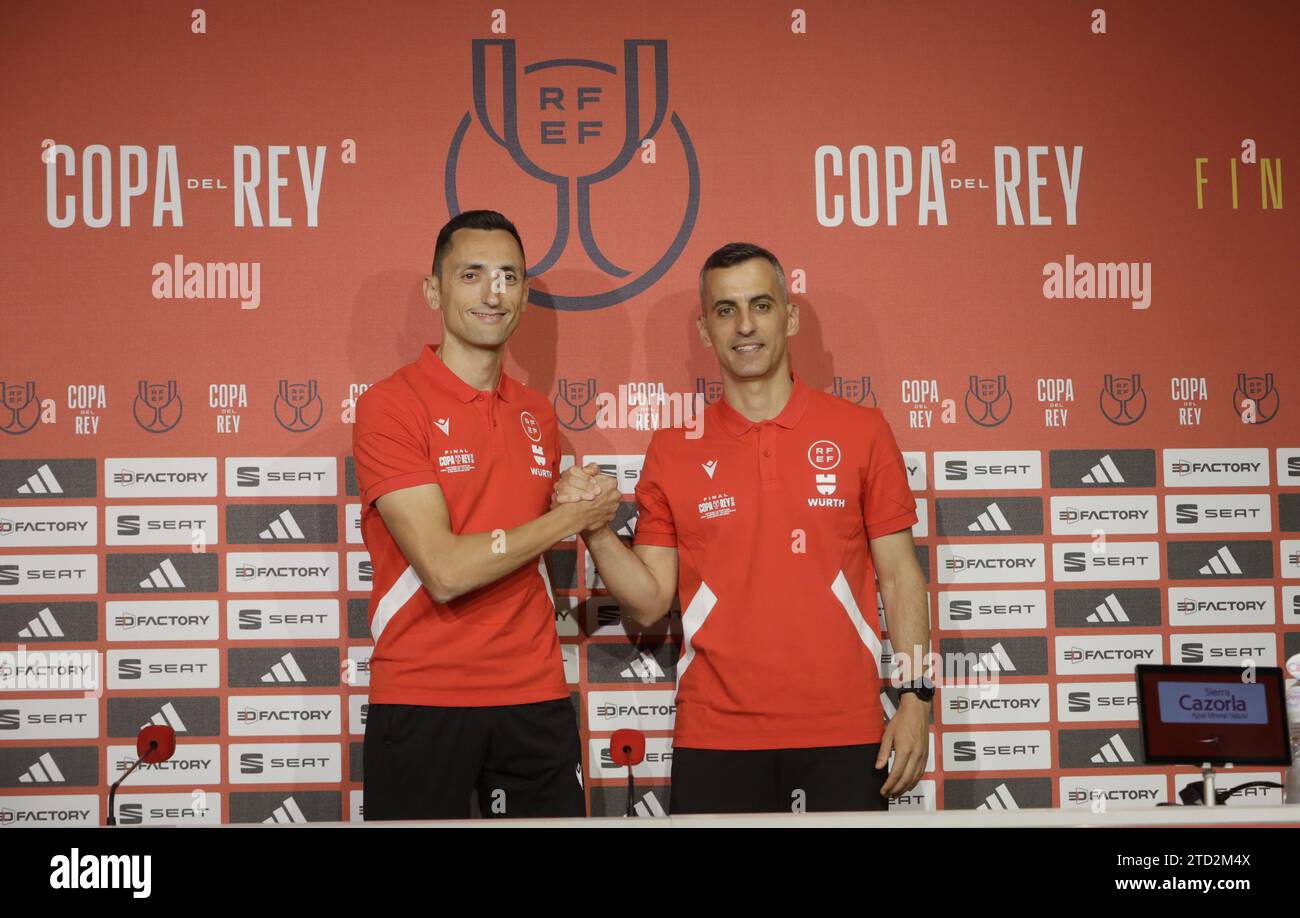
<point x="704" y="332"/>
<point x="523" y="299"/>
<point x="792" y="320"/>
<point x="432" y="292"/>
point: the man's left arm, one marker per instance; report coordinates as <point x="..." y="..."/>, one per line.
<point x="907" y="617"/>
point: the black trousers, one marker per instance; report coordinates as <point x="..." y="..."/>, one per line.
<point x="425" y="762"/>
<point x="820" y="779"/>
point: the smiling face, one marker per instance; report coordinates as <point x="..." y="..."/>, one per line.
<point x="481" y="290"/>
<point x="747" y="319"/>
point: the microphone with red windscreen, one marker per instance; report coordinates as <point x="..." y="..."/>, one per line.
<point x="155" y="743"/>
<point x="627" y="747"/>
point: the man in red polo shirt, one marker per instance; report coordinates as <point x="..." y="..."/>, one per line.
<point x="769" y="526"/>
<point x="455" y="463"/>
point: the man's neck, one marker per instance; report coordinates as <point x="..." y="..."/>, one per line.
<point x="475" y="366"/>
<point x="760" y="399"/>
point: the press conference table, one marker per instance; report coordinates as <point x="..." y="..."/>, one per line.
<point x="1273" y="816"/>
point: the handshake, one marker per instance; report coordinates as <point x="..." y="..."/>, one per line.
<point x="591" y="497"/>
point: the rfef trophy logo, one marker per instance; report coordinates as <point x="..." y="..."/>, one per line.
<point x="298" y="406"/>
<point x="568" y="140"/>
<point x="575" y="396"/>
<point x="22" y="409"/>
<point x="988" y="400"/>
<point x="711" y="389"/>
<point x="1256" y="395"/>
<point x="1123" y="400"/>
<point x="858" y="391"/>
<point x="157" y="406"/>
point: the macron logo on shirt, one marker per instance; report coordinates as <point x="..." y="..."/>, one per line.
<point x="710" y="467"/>
<point x="443" y="424"/>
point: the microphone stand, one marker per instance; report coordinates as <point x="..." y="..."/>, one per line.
<point x="631" y="781"/>
<point x="112" y="791"/>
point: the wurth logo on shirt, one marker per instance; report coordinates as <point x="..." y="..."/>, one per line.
<point x="538" y="468"/>
<point x="456" y="460"/>
<point x="717" y="505"/>
<point x="826" y="486"/>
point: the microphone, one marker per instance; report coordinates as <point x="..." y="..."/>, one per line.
<point x="155" y="743"/>
<point x="627" y="747"/>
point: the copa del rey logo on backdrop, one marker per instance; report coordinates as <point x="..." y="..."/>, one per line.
<point x="587" y="136"/>
<point x="120" y="187"/>
<point x="158" y="406"/>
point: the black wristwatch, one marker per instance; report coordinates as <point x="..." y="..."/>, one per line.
<point x="923" y="688"/>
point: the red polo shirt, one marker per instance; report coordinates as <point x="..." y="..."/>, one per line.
<point x="781" y="643"/>
<point x="495" y="456"/>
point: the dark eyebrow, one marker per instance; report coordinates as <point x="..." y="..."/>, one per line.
<point x="748" y="299"/>
<point x="479" y="266"/>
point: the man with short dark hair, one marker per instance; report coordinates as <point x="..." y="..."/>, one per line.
<point x="769" y="527"/>
<point x="455" y="464"/>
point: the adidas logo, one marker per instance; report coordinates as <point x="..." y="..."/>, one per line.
<point x="1221" y="563"/>
<point x="1112" y="751"/>
<point x="443" y="424"/>
<point x="44" y="771"/>
<point x="168" y="717"/>
<point x="163" y="577"/>
<point x="42" y="626"/>
<point x="43" y="482"/>
<point x="710" y="467"/>
<point x="1110" y="611"/>
<point x="287" y="670"/>
<point x="1104" y="472"/>
<point x="289" y="811"/>
<point x="991" y="520"/>
<point x="627" y="529"/>
<point x="994" y="660"/>
<point x="283" y="526"/>
<point x="645" y="667"/>
<point x="649" y="805"/>
<point x="1000" y="799"/>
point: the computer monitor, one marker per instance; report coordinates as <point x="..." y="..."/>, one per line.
<point x="1191" y="715"/>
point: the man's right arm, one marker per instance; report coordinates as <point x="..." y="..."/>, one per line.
<point x="395" y="472"/>
<point x="451" y="565"/>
